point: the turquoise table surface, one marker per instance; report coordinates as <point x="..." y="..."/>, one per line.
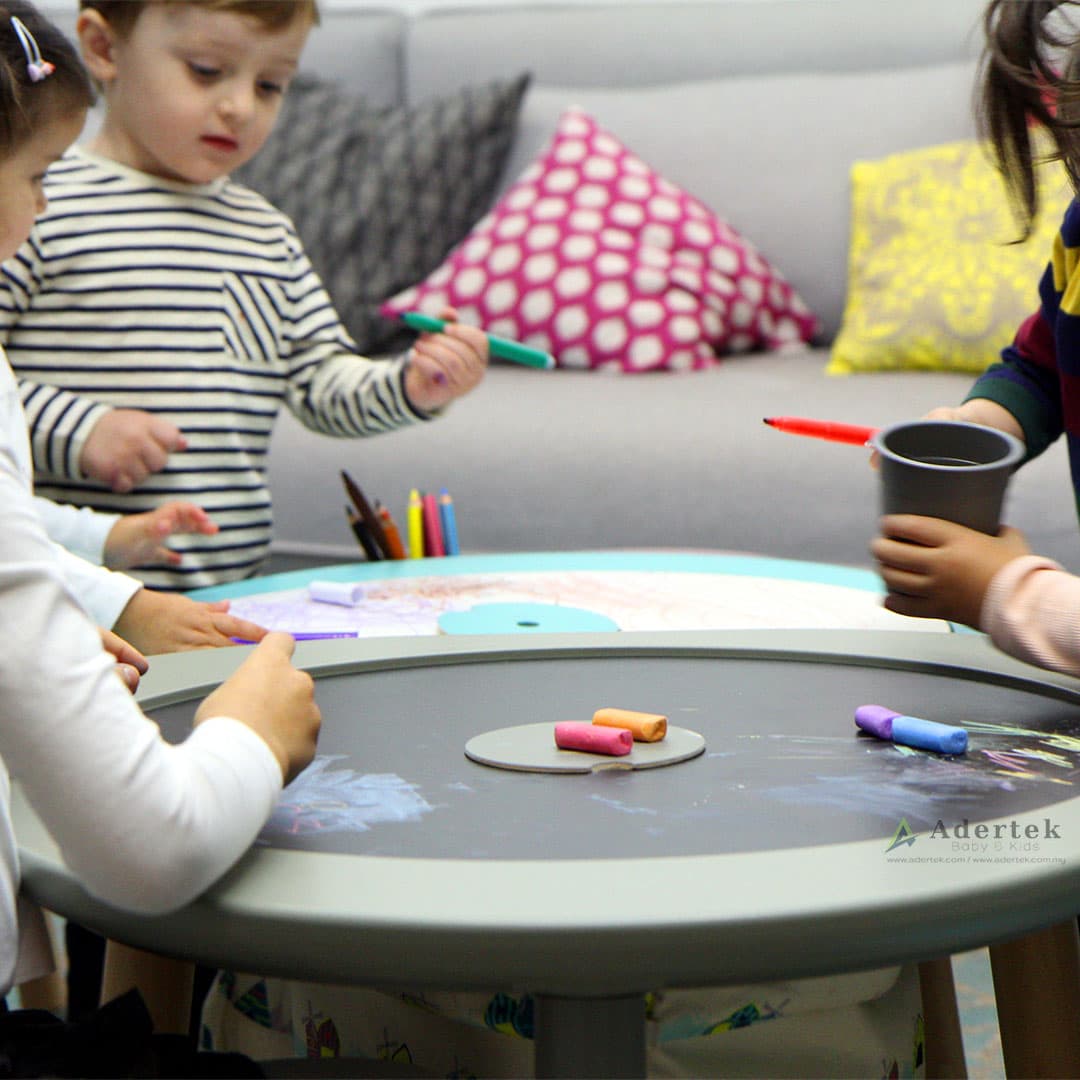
<point x="686" y="562"/>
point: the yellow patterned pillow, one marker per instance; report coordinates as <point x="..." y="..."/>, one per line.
<point x="933" y="282"/>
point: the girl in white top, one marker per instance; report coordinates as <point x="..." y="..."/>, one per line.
<point x="146" y="825"/>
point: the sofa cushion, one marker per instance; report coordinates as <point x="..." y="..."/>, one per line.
<point x="380" y="195"/>
<point x="934" y="279"/>
<point x="594" y="257"/>
<point x="772" y="153"/>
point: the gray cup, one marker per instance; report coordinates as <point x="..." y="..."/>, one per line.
<point x="947" y="469"/>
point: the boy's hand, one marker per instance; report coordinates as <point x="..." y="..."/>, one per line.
<point x="446" y="365"/>
<point x="275" y="700"/>
<point x="158" y="622"/>
<point x="126" y="445"/>
<point x="936" y="569"/>
<point x="130" y="663"/>
<point x="138" y="539"/>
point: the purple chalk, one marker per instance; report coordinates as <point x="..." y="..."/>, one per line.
<point x="876" y="719"/>
<point x="911" y="730"/>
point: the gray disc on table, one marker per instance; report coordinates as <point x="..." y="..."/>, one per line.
<point x="531" y="748"/>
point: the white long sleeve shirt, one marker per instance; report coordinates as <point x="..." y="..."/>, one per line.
<point x="78" y="528"/>
<point x="144" y="824"/>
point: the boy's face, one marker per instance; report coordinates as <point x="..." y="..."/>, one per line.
<point x="191" y="93"/>
<point x="21" y="174"/>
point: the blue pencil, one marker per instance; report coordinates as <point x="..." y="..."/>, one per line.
<point x="449" y="523"/>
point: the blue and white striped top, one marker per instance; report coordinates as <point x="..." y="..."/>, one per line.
<point x="198" y="304"/>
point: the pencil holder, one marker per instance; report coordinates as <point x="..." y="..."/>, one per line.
<point x="947" y="469"/>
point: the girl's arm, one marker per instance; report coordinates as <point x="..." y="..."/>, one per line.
<point x="145" y="825"/>
<point x="78" y="528"/>
<point x="1031" y="612"/>
<point x="1025" y="385"/>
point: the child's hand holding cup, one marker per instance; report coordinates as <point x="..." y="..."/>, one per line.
<point x="947" y="469"/>
<point x="943" y="485"/>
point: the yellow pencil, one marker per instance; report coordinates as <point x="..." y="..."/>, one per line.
<point x="415" y="524"/>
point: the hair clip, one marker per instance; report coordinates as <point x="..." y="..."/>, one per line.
<point x="36" y="66"/>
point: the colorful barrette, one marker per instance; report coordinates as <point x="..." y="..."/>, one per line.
<point x="37" y="67"/>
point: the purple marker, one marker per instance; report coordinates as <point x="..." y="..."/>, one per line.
<point x="314" y="635"/>
<point x="894" y="727"/>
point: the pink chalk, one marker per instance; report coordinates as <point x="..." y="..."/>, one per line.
<point x="593" y="739"/>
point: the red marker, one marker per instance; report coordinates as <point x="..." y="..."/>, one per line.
<point x="854" y="434"/>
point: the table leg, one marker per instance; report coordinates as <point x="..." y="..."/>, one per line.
<point x="583" y="1037"/>
<point x="1037" y="987"/>
<point x="944" y="1039"/>
<point x="165" y="984"/>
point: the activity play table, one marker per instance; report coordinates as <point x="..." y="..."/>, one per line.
<point x="793" y="846"/>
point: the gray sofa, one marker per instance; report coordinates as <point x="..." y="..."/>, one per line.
<point x="757" y="107"/>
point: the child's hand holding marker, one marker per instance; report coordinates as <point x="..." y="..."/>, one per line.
<point x="447" y="360"/>
<point x="501" y="347"/>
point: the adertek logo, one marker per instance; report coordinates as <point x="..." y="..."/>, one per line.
<point x="902" y="836"/>
<point x="1011" y="841"/>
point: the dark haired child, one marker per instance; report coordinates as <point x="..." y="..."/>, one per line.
<point x="935" y="569"/>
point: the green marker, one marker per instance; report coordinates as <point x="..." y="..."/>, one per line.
<point x="503" y="348"/>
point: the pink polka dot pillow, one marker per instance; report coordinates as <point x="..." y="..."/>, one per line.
<point x="595" y="258"/>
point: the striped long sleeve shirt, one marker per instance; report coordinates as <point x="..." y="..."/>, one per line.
<point x="199" y="305"/>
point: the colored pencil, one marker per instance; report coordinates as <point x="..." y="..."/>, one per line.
<point x="448" y="520"/>
<point x="363" y="537"/>
<point x="371" y="519"/>
<point x="433" y="538"/>
<point x="415" y="525"/>
<point x="393" y="534"/>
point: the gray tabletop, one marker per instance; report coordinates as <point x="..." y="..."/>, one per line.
<point x="396" y="859"/>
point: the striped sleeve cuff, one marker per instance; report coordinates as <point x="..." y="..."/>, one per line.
<point x="60" y="423"/>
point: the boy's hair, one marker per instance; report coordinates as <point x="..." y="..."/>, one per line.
<point x="122" y="15"/>
<point x="27" y="104"/>
<point x="1028" y="80"/>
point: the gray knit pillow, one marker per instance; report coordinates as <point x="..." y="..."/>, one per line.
<point x="379" y="196"/>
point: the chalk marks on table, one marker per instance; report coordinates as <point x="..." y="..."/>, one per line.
<point x="324" y="799"/>
<point x="1000" y="757"/>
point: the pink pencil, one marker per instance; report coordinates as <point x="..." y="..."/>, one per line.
<point x="854" y="434"/>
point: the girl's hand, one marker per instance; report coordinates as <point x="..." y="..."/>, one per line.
<point x="275" y="699"/>
<point x="130" y="663"/>
<point x="980" y="411"/>
<point x="976" y="411"/>
<point x="936" y="569"/>
<point x="139" y="539"/>
<point x="446" y="365"/>
<point x="160" y="622"/>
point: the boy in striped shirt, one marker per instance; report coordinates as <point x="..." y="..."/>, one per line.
<point x="160" y="314"/>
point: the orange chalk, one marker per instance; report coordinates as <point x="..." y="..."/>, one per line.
<point x="577" y="735"/>
<point x="644" y="726"/>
